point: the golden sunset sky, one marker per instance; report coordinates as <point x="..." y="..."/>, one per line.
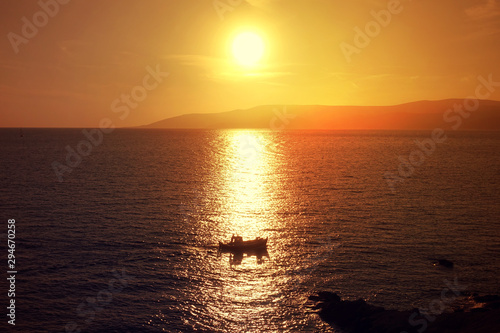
<point x="70" y="63"/>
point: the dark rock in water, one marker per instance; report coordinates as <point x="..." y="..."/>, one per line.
<point x="487" y="298"/>
<point x="361" y="317"/>
<point x="445" y="263"/>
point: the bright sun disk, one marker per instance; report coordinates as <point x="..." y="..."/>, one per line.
<point x="248" y="48"/>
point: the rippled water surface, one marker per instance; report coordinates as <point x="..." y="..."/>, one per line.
<point x="128" y="241"/>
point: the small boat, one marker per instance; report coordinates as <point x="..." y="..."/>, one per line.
<point x="237" y="244"/>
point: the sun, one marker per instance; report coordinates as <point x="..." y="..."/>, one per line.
<point x="248" y="48"/>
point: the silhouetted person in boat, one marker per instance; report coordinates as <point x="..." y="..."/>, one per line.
<point x="236" y="239"/>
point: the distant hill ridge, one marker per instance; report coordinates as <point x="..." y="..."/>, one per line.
<point x="421" y="115"/>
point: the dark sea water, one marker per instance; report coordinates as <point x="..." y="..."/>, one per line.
<point x="127" y="242"/>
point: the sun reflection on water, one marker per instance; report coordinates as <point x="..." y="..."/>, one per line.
<point x="241" y="188"/>
<point x="246" y="180"/>
<point x="247" y="291"/>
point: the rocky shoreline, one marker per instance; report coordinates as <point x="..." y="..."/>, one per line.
<point x="479" y="314"/>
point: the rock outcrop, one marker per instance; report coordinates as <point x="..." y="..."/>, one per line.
<point x="482" y="315"/>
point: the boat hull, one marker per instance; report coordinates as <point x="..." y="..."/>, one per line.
<point x="245" y="246"/>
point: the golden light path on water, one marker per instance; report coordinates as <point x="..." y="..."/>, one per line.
<point x="243" y="188"/>
<point x="247" y="291"/>
<point x="246" y="180"/>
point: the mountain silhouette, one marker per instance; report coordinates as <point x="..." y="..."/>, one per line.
<point x="421" y="115"/>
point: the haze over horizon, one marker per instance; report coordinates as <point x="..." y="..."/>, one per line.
<point x="73" y="63"/>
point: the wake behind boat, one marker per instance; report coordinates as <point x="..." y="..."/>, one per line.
<point x="237" y="244"/>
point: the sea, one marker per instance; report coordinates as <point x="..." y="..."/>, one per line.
<point x="119" y="232"/>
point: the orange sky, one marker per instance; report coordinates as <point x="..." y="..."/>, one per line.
<point x="86" y="54"/>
